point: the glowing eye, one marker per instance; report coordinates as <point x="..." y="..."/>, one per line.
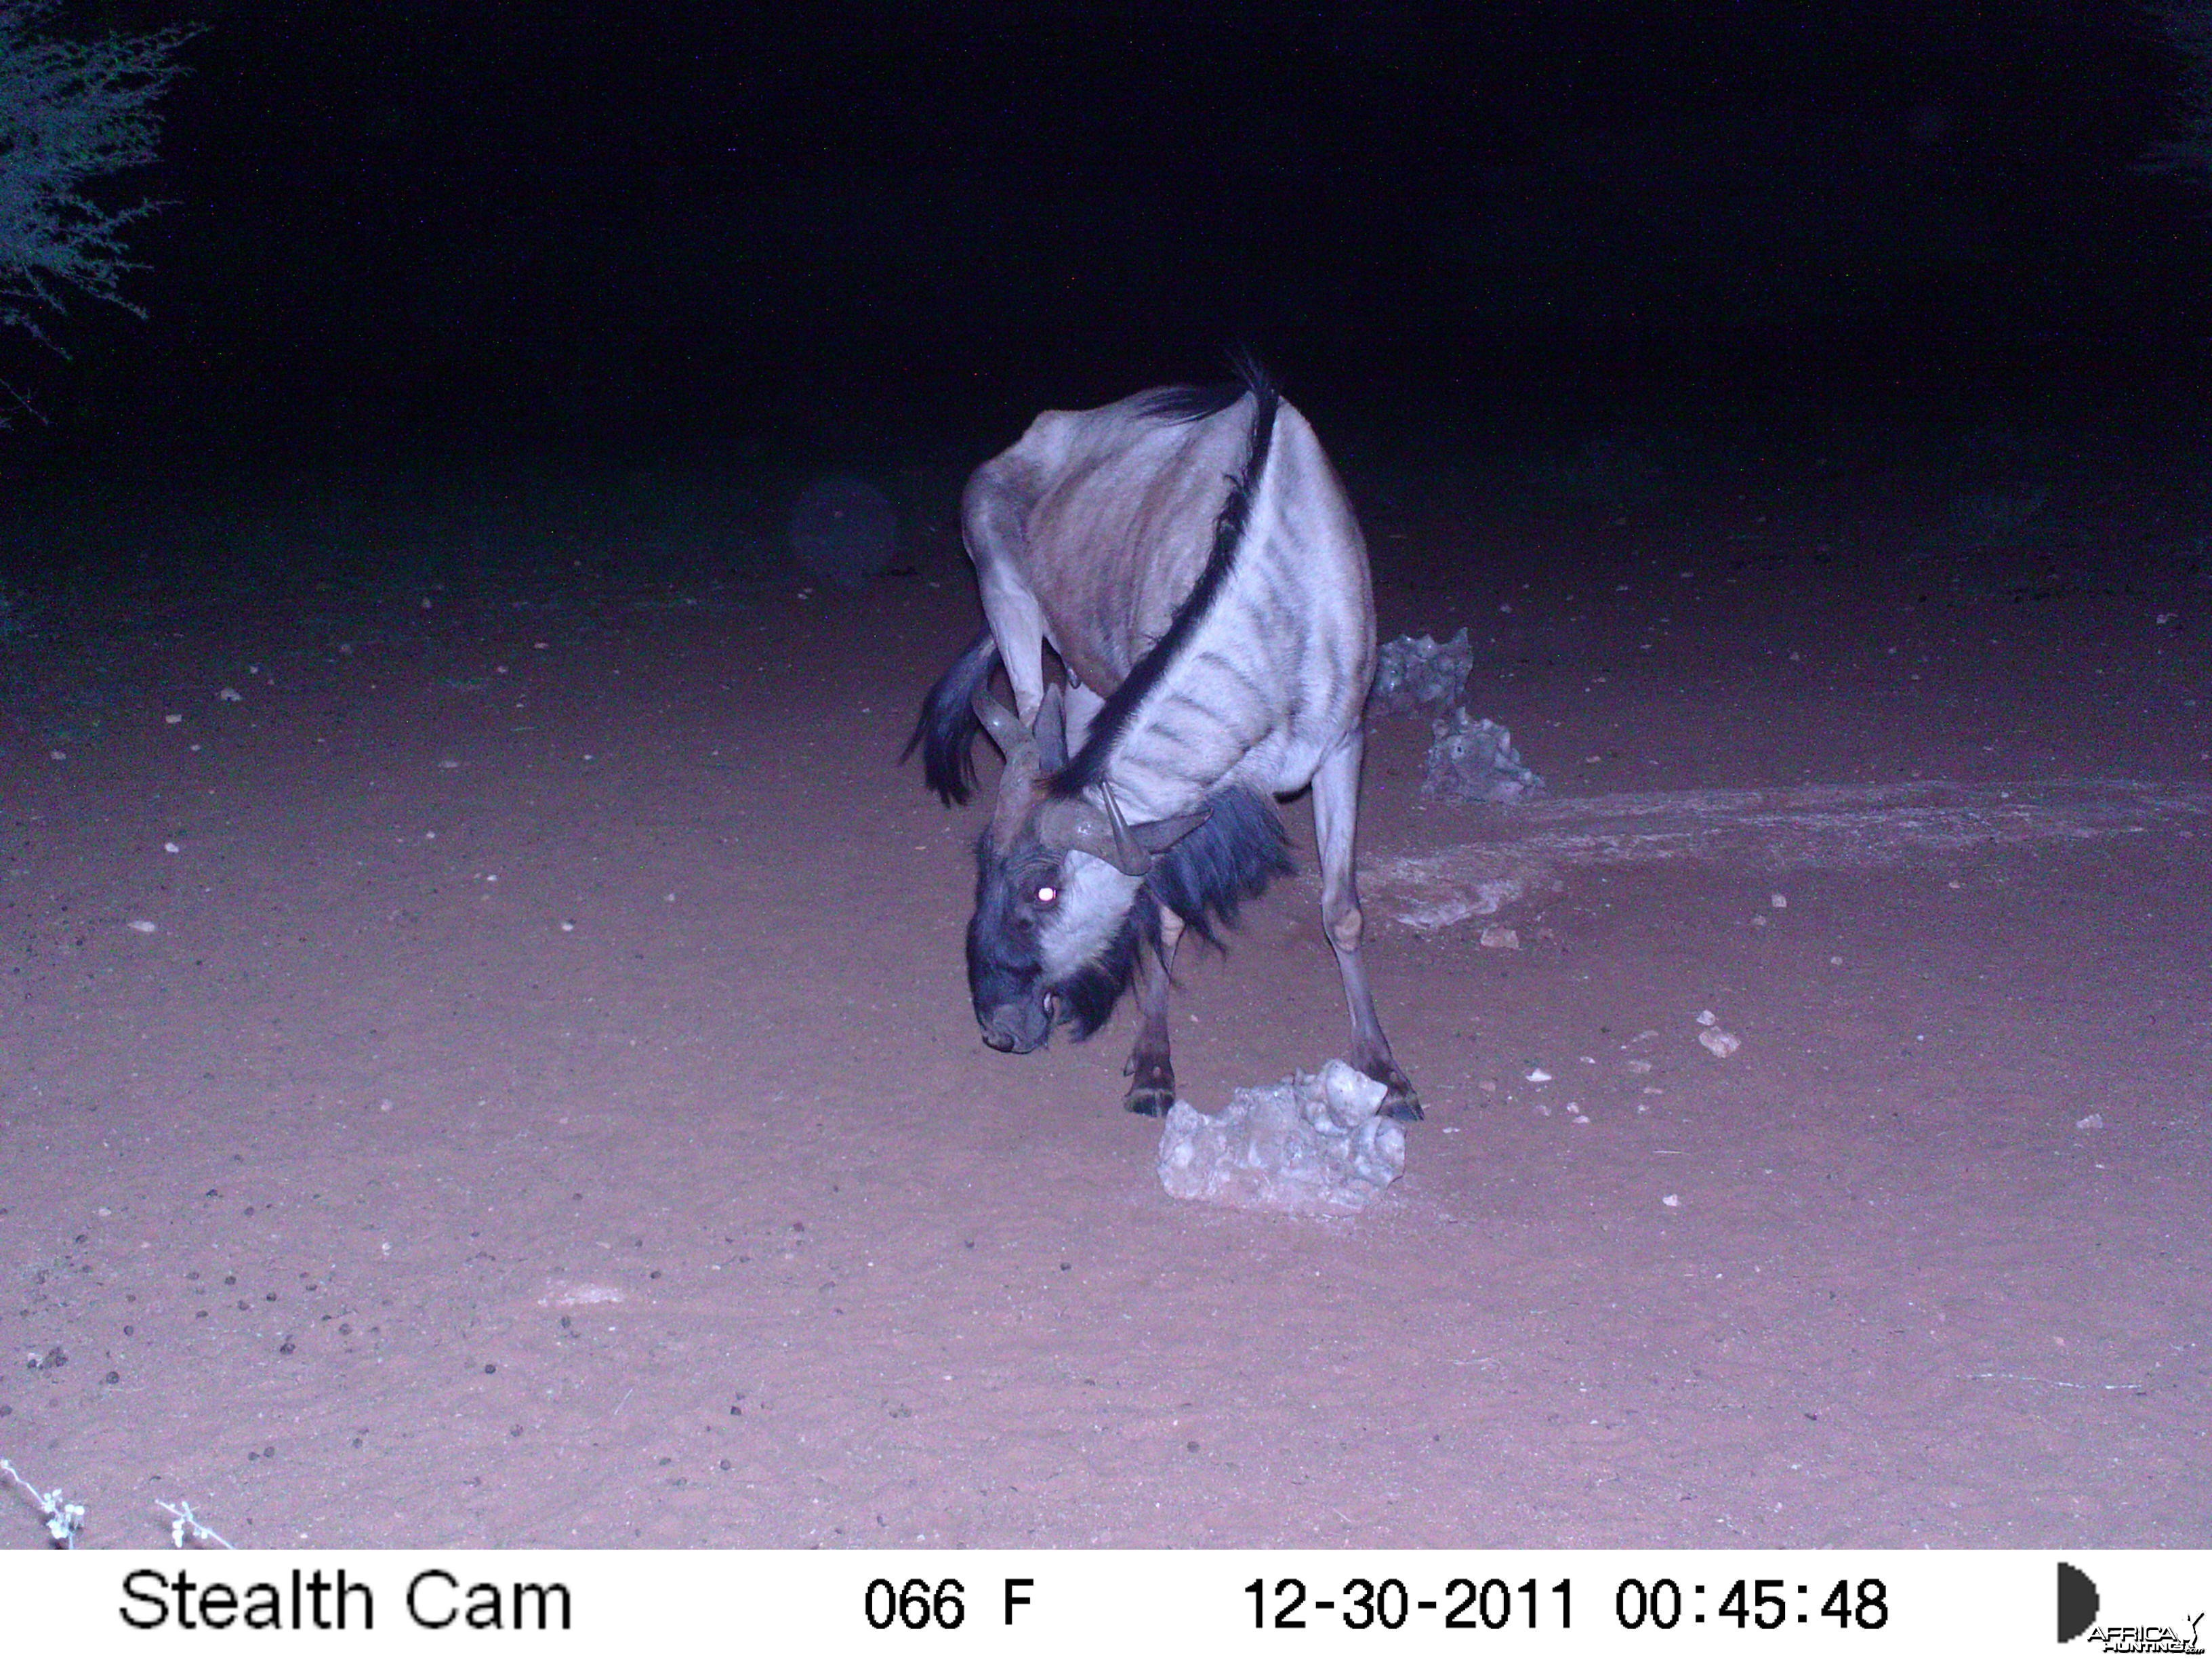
<point x="1047" y="895"/>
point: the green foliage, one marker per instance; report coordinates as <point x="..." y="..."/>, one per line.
<point x="71" y="114"/>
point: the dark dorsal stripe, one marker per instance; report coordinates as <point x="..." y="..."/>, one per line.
<point x="1179" y="405"/>
<point x="1089" y="766"/>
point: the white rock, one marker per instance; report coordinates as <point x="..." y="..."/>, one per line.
<point x="1352" y="1096"/>
<point x="1721" y="1043"/>
<point x="1308" y="1145"/>
<point x="1412" y="675"/>
<point x="570" y="1293"/>
<point x="1473" y="760"/>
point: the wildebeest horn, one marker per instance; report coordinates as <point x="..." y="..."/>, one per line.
<point x="1000" y="721"/>
<point x="1052" y="731"/>
<point x="1078" y="826"/>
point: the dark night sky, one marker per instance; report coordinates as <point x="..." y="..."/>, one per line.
<point x="620" y="229"/>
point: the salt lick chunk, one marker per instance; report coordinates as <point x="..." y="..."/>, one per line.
<point x="1412" y="675"/>
<point x="1308" y="1145"/>
<point x="1474" y="760"/>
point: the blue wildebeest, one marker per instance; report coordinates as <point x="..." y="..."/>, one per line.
<point x="1218" y="653"/>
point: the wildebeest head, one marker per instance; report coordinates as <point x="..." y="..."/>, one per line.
<point x="1061" y="907"/>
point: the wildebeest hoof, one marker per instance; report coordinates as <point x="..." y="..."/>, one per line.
<point x="1402" y="1103"/>
<point x="1150" y="1099"/>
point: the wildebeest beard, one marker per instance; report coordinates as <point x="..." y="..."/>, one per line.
<point x="1086" y="999"/>
<point x="1205" y="878"/>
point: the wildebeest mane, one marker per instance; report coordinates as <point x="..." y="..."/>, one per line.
<point x="1088" y="767"/>
<point x="1205" y="878"/>
<point x="1179" y="405"/>
<point x="946" y="729"/>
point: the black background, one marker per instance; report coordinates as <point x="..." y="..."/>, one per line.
<point x="682" y="231"/>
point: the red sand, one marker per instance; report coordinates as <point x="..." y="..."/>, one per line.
<point x="549" y="1112"/>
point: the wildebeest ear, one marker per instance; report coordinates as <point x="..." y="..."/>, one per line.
<point x="1161" y="834"/>
<point x="1051" y="729"/>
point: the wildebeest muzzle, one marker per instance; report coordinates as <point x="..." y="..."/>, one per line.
<point x="1017" y="1028"/>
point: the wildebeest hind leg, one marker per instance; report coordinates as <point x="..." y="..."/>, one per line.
<point x="1150" y="1071"/>
<point x="1336" y="815"/>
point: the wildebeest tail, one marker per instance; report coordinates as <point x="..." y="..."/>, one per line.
<point x="946" y="730"/>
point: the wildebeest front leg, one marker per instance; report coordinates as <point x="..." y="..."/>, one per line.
<point x="1336" y="819"/>
<point x="1150" y="1071"/>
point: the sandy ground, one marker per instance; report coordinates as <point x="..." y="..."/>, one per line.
<point x="505" y="1077"/>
